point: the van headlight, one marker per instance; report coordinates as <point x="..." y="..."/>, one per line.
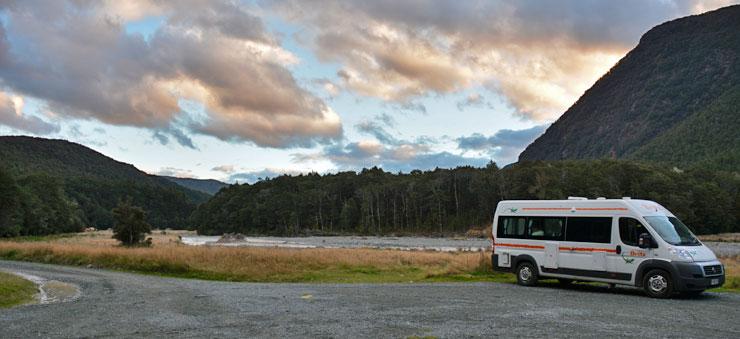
<point x="680" y="254"/>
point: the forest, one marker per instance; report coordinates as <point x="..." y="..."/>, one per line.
<point x="452" y="201"/>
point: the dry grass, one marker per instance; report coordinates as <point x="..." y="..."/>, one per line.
<point x="722" y="237"/>
<point x="253" y="264"/>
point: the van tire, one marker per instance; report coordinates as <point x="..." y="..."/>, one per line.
<point x="526" y="274"/>
<point x="658" y="284"/>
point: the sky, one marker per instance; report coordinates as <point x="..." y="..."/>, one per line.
<point x="242" y="90"/>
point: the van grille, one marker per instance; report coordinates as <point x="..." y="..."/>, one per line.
<point x="713" y="270"/>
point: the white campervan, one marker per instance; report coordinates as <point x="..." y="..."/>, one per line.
<point x="616" y="241"/>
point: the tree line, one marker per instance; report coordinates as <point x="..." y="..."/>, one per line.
<point x="451" y="201"/>
<point x="41" y="203"/>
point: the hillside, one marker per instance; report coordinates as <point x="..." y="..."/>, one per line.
<point x="674" y="99"/>
<point x="95" y="182"/>
<point x="208" y="186"/>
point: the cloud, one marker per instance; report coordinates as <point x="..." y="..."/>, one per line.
<point x="505" y="145"/>
<point x="78" y="58"/>
<point x="473" y="100"/>
<point x="541" y="56"/>
<point x="403" y="156"/>
<point x="254" y="176"/>
<point x="228" y="169"/>
<point x="11" y="115"/>
<point x="374" y="129"/>
<point x="163" y="137"/>
<point x="175" y="172"/>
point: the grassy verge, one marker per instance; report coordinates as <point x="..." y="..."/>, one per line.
<point x="264" y="264"/>
<point x="15" y="290"/>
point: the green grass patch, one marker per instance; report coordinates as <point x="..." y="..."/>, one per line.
<point x="15" y="290"/>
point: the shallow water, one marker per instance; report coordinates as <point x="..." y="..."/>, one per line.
<point x="400" y="243"/>
<point x="52" y="291"/>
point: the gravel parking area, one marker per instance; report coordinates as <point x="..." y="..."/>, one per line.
<point x="114" y="304"/>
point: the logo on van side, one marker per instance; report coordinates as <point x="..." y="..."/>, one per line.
<point x="628" y="260"/>
<point x="513" y="210"/>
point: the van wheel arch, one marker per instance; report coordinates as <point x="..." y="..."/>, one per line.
<point x="651" y="264"/>
<point x="524" y="258"/>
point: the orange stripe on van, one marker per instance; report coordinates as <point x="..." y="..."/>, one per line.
<point x="587" y="249"/>
<point x="601" y="209"/>
<point x="520" y="246"/>
<point x="546" y="209"/>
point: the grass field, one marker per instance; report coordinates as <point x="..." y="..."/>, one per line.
<point x="15" y="290"/>
<point x="168" y="257"/>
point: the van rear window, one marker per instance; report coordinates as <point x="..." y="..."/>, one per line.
<point x="545" y="228"/>
<point x="512" y="227"/>
<point x="588" y="229"/>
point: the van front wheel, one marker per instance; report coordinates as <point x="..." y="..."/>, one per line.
<point x="526" y="274"/>
<point x="658" y="284"/>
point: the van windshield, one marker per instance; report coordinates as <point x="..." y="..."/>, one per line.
<point x="673" y="231"/>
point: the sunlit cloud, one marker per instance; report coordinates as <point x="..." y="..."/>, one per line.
<point x="12" y="115"/>
<point x="540" y="56"/>
<point x="78" y="57"/>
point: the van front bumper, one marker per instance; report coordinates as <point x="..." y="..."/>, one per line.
<point x="695" y="277"/>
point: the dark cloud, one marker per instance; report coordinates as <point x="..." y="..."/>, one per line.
<point x="78" y="57"/>
<point x="11" y="115"/>
<point x="505" y="145"/>
<point x="163" y="137"/>
<point x="376" y="130"/>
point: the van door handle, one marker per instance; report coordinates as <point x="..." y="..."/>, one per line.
<point x="619" y="249"/>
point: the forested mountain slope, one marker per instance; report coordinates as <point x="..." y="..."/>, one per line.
<point x="451" y="201"/>
<point x="675" y="99"/>
<point x="92" y="182"/>
<point x="208" y="186"/>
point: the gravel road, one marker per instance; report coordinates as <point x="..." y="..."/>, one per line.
<point x="116" y="304"/>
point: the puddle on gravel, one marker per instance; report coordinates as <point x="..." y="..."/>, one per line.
<point x="52" y="291"/>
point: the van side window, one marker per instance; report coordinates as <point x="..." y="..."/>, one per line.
<point x="511" y="227"/>
<point x="630" y="230"/>
<point x="589" y="229"/>
<point x="545" y="228"/>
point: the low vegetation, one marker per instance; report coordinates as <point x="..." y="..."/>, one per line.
<point x="250" y="264"/>
<point x="15" y="290"/>
<point x="167" y="257"/>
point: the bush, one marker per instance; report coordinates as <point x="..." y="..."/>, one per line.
<point x="130" y="224"/>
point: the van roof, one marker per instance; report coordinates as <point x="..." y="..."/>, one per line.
<point x="581" y="206"/>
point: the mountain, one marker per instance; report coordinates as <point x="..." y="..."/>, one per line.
<point x="96" y="182"/>
<point x="674" y="99"/>
<point x="208" y="186"/>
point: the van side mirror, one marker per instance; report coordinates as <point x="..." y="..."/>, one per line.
<point x="646" y="241"/>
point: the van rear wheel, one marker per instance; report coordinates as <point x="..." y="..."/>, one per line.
<point x="526" y="274"/>
<point x="658" y="284"/>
